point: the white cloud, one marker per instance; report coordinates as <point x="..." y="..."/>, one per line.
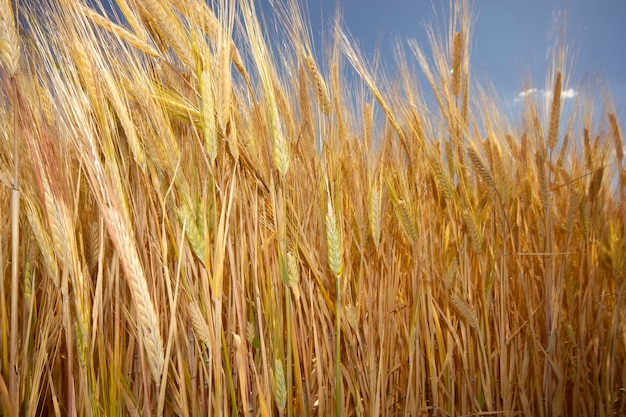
<point x="528" y="92"/>
<point x="569" y="93"/>
<point x="546" y="94"/>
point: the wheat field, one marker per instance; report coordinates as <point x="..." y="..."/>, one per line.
<point x="196" y="221"/>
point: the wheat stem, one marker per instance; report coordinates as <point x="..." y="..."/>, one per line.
<point x="15" y="254"/>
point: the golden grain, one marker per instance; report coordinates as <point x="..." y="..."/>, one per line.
<point x="119" y="31"/>
<point x="333" y="242"/>
<point x="595" y="183"/>
<point x="9" y="40"/>
<point x="555" y="113"/>
<point x="616" y="134"/>
<point x="146" y="314"/>
<point x="407" y="220"/>
<point x="199" y="324"/>
<point x="542" y="177"/>
<point x="457" y="49"/>
<point x="208" y="115"/>
<point x="293" y="272"/>
<point x="165" y="178"/>
<point x="464" y="309"/>
<point x="163" y="20"/>
<point x="321" y="91"/>
<point x="481" y="169"/>
<point x="375" y="211"/>
<point x="44" y="241"/>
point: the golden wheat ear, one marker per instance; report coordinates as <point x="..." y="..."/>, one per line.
<point x="9" y="39"/>
<point x="10" y="54"/>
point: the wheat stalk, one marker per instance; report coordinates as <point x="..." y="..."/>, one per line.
<point x="10" y="53"/>
<point x="258" y="222"/>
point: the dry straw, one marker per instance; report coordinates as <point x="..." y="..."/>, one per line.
<point x="111" y="228"/>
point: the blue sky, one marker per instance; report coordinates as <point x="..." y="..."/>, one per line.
<point x="510" y="37"/>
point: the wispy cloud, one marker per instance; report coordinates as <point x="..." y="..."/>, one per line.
<point x="546" y="94"/>
<point x="529" y="92"/>
<point x="569" y="93"/>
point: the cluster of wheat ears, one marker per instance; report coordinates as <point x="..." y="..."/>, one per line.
<point x="198" y="221"/>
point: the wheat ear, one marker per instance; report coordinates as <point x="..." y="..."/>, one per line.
<point x="9" y="40"/>
<point x="457" y="49"/>
<point x="208" y="115"/>
<point x="616" y="134"/>
<point x="10" y="52"/>
<point x="293" y="272"/>
<point x="321" y="91"/>
<point x="375" y="211"/>
<point x="333" y="242"/>
<point x="279" y="387"/>
<point x="147" y="316"/>
<point x="555" y="113"/>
